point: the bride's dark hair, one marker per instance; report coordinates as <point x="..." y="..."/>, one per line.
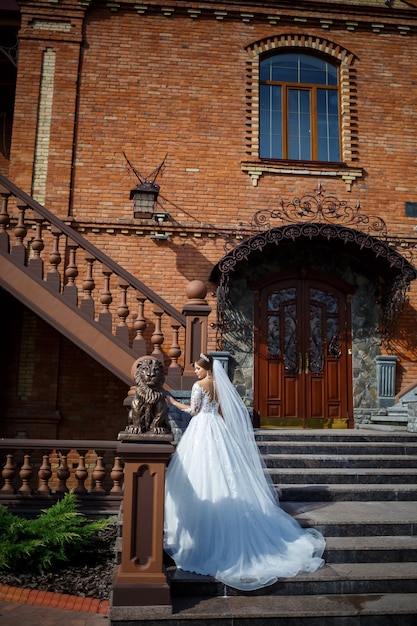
<point x="206" y="362"/>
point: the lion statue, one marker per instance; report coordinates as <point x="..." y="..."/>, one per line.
<point x="149" y="411"/>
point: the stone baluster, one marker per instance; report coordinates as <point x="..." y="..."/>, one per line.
<point x="139" y="325"/>
<point x="99" y="474"/>
<point x="25" y="475"/>
<point x="87" y="302"/>
<point x="71" y="273"/>
<point x="105" y="317"/>
<point x="157" y="338"/>
<point x="4" y="220"/>
<point x="20" y="231"/>
<point x="63" y="472"/>
<point x="44" y="475"/>
<point x="122" y="329"/>
<point x="81" y="474"/>
<point x="8" y="473"/>
<point x="116" y="475"/>
<point x="35" y="263"/>
<point x="174" y="369"/>
<point x="53" y="277"/>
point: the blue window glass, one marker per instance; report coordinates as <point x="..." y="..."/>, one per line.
<point x="271" y="121"/>
<point x="328" y="125"/>
<point x="299" y="129"/>
<point x="299" y="108"/>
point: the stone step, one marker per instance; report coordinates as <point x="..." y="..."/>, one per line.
<point x="335" y="436"/>
<point x="366" y="549"/>
<point x="360" y="490"/>
<point x="332" y="578"/>
<point x="370" y="549"/>
<point x="298" y="492"/>
<point x="394" y="427"/>
<point x="319" y="476"/>
<point x="397" y="420"/>
<point x="391" y="417"/>
<point x="312" y="461"/>
<point x="399" y="448"/>
<point x="315" y="610"/>
<point x="344" y="519"/>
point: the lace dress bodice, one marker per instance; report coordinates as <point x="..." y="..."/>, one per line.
<point x="201" y="402"/>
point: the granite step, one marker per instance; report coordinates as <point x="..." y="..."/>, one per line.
<point x="370" y="549"/>
<point x="347" y="519"/>
<point x="332" y="578"/>
<point x="356" y="475"/>
<point x="360" y="490"/>
<point x="311" y="461"/>
<point x="315" y="610"/>
<point x="390" y="427"/>
<point x="364" y="553"/>
<point x="338" y="448"/>
<point x="326" y="435"/>
<point x="296" y="492"/>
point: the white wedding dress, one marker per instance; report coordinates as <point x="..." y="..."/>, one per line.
<point x="221" y="517"/>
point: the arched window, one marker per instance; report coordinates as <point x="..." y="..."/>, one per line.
<point x="299" y="108"/>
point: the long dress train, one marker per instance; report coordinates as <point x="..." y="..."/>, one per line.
<point x="220" y="516"/>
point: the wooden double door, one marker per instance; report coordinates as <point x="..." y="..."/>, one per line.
<point x="302" y="352"/>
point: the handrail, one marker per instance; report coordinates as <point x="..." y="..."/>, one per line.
<point x="57" y="444"/>
<point x="96" y="252"/>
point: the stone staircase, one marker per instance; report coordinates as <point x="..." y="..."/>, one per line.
<point x="359" y="488"/>
<point x="391" y="418"/>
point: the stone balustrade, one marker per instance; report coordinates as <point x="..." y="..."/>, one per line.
<point x="37" y="472"/>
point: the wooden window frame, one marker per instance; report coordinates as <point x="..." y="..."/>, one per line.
<point x="312" y="89"/>
<point x="347" y="169"/>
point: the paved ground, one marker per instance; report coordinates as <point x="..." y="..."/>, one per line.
<point x="40" y="608"/>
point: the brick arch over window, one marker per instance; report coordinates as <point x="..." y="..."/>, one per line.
<point x="347" y="87"/>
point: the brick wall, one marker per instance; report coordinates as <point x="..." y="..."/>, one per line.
<point x="158" y="85"/>
<point x="52" y="389"/>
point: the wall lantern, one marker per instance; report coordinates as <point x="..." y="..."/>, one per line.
<point x="145" y="199"/>
<point x="145" y="194"/>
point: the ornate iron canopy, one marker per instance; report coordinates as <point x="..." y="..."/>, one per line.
<point x="326" y="219"/>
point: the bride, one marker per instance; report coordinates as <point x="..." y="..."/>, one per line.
<point x="222" y="515"/>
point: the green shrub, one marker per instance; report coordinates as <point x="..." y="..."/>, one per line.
<point x="55" y="535"/>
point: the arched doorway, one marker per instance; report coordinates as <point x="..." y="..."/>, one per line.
<point x="284" y="293"/>
<point x="302" y="350"/>
<point x="245" y="282"/>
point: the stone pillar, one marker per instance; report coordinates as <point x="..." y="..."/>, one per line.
<point x="140" y="579"/>
<point x="196" y="312"/>
<point x="224" y="358"/>
<point x="386" y="378"/>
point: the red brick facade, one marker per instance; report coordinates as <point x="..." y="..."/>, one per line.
<point x="178" y="81"/>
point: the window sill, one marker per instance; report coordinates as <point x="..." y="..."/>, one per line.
<point x="255" y="169"/>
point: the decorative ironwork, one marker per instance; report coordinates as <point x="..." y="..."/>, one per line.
<point x="393" y="301"/>
<point x="319" y="209"/>
<point x="282" y="327"/>
<point x="310" y="231"/>
<point x="326" y="217"/>
<point x="324" y="328"/>
<point x="238" y="326"/>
